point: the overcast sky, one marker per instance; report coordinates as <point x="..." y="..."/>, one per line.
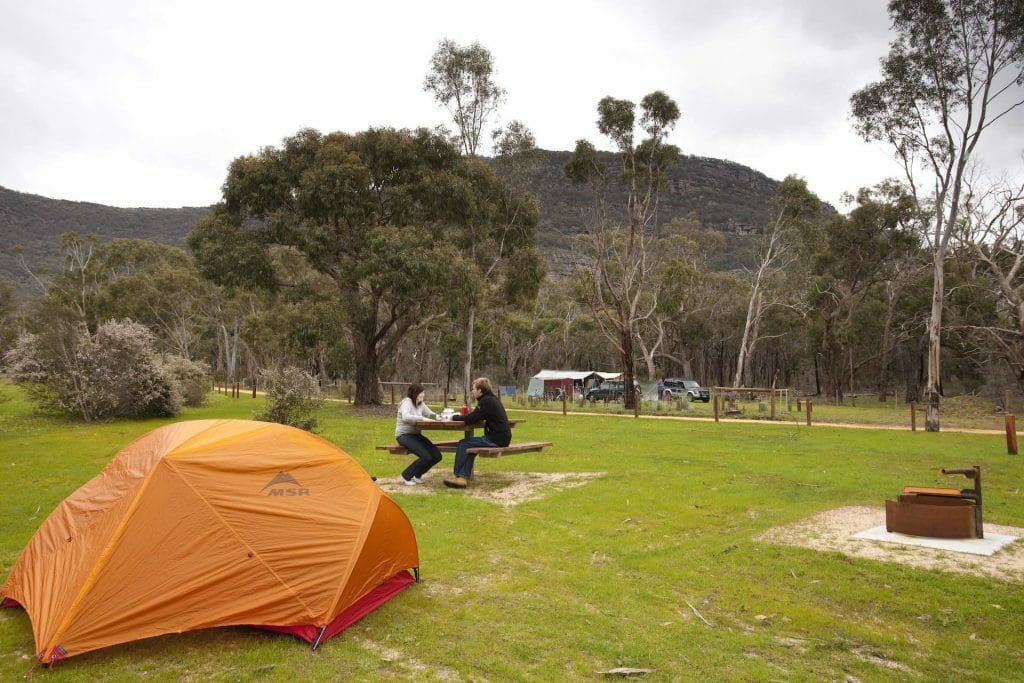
<point x="146" y="102"/>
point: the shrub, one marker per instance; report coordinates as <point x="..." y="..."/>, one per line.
<point x="191" y="379"/>
<point x="113" y="373"/>
<point x="292" y="396"/>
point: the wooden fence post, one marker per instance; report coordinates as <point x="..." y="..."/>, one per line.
<point x="808" y="412"/>
<point x="715" y="401"/>
<point x="1011" y="434"/>
<point x="913" y="416"/>
<point x="773" y="403"/>
<point x="563" y="403"/>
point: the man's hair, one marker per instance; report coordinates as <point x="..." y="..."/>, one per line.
<point x="414" y="391"/>
<point x="484" y="385"/>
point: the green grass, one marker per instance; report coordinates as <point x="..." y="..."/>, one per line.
<point x="599" y="576"/>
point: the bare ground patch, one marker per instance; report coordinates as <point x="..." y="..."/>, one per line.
<point x="832" y="530"/>
<point x="507" y="489"/>
<point x="417" y="669"/>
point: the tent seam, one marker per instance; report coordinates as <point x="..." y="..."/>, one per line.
<point x="90" y="580"/>
<point x="364" y="532"/>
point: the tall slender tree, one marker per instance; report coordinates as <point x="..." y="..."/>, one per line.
<point x="616" y="284"/>
<point x="795" y="212"/>
<point x="954" y="70"/>
<point x="461" y="79"/>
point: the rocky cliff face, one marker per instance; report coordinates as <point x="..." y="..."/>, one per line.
<point x="720" y="194"/>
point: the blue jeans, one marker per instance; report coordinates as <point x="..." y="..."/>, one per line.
<point x="464" y="460"/>
<point x="427" y="454"/>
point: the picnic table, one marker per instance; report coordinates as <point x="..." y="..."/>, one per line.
<point x="467" y="429"/>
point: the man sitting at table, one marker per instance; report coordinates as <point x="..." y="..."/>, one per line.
<point x="497" y="431"/>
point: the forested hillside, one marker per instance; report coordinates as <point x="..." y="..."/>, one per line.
<point x="36" y="223"/>
<point x="721" y="194"/>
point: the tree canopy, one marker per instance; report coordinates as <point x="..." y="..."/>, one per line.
<point x="381" y="213"/>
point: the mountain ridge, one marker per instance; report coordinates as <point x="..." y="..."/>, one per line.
<point x="721" y="194"/>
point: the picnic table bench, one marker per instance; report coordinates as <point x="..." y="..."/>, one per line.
<point x="482" y="451"/>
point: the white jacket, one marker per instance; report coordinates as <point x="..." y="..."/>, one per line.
<point x="409" y="414"/>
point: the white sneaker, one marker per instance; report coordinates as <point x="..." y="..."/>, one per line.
<point x="408" y="482"/>
<point x="417" y="480"/>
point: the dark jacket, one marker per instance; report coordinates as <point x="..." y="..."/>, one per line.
<point x="490" y="411"/>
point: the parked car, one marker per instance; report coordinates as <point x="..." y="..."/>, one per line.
<point x="610" y="390"/>
<point x="679" y="388"/>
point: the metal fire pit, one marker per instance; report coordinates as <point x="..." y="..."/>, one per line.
<point x="938" y="512"/>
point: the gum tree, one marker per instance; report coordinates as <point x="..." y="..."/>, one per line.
<point x="501" y="253"/>
<point x="377" y="213"/>
<point x="954" y="71"/>
<point x="618" y="283"/>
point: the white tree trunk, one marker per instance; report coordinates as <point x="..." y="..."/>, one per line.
<point x="931" y="420"/>
<point x="468" y="367"/>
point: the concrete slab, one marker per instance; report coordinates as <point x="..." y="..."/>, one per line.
<point x="975" y="546"/>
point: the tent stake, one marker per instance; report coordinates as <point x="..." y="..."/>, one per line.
<point x="320" y="635"/>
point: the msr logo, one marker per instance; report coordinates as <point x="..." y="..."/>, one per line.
<point x="284" y="484"/>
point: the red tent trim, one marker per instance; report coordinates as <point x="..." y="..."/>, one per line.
<point x="359" y="609"/>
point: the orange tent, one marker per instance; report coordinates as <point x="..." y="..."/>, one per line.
<point x="213" y="523"/>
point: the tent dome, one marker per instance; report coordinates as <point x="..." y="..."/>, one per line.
<point x="213" y="523"/>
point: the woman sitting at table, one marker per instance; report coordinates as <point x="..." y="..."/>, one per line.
<point x="411" y="410"/>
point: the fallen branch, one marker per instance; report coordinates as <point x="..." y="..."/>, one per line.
<point x="625" y="671"/>
<point x="699" y="615"/>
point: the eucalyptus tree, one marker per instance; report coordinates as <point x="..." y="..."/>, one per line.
<point x="461" y="79"/>
<point x="378" y="213"/>
<point x="156" y="285"/>
<point x="795" y="216"/>
<point x="617" y="283"/>
<point x="860" y="256"/>
<point x="994" y="236"/>
<point x="954" y="70"/>
<point x="151" y="283"/>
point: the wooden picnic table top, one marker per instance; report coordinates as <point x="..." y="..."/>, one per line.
<point x="456" y="424"/>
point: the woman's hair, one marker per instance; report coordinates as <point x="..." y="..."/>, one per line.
<point x="414" y="391"/>
<point x="483" y="384"/>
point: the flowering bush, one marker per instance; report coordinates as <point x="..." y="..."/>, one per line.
<point x="112" y="373"/>
<point x="292" y="396"/>
<point x="191" y="379"/>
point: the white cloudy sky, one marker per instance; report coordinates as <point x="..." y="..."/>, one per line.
<point x="145" y="102"/>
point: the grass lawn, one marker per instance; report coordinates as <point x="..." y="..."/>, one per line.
<point x="652" y="565"/>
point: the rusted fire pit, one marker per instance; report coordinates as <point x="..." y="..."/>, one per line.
<point x="938" y="512"/>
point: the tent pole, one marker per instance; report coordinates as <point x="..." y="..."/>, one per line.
<point x="316" y="643"/>
<point x="416" y="574"/>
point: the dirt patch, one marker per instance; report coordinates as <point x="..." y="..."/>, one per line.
<point x="832" y="530"/>
<point x="411" y="665"/>
<point x="507" y="489"/>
